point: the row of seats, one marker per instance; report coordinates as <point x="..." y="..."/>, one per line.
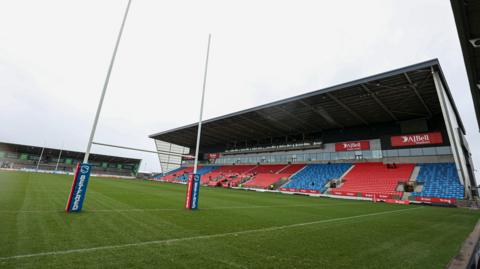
<point x="219" y="177"/>
<point x="175" y="174"/>
<point x="439" y="180"/>
<point x="264" y="180"/>
<point x="376" y="178"/>
<point x="182" y="173"/>
<point x="254" y="176"/>
<point x="201" y="171"/>
<point x="315" y="176"/>
<point x="271" y="169"/>
<point x="232" y="169"/>
<point x="225" y="173"/>
<point x="264" y="176"/>
<point x="174" y="171"/>
<point x="292" y="168"/>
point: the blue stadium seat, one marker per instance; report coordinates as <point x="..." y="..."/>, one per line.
<point x="439" y="180"/>
<point x="315" y="176"/>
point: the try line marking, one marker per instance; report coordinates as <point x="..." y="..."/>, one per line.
<point x="175" y="240"/>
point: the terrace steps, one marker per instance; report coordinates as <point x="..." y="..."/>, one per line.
<point x="415" y="172"/>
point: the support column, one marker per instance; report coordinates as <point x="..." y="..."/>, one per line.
<point x="40" y="159"/>
<point x="452" y="136"/>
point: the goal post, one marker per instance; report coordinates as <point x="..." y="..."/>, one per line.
<point x="80" y="181"/>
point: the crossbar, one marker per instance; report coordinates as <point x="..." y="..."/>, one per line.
<point x="142" y="150"/>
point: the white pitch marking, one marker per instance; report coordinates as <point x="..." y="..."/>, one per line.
<point x="175" y="240"/>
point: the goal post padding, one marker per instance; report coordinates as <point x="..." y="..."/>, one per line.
<point x="79" y="188"/>
<point x="193" y="190"/>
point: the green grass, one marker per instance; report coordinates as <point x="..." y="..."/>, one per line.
<point x="250" y="230"/>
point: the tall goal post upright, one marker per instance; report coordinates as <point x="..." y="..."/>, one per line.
<point x="199" y="131"/>
<point x="193" y="184"/>
<point x="82" y="173"/>
<point x="105" y="84"/>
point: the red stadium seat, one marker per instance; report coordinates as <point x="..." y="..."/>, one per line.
<point x="227" y="172"/>
<point x="178" y="173"/>
<point x="259" y="176"/>
<point x="269" y="168"/>
<point x="292" y="168"/>
<point x="369" y="179"/>
<point x="264" y="180"/>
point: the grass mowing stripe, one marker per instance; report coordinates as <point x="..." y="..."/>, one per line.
<point x="174" y="209"/>
<point x="175" y="240"/>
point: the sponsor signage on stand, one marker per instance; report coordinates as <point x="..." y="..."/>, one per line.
<point x="416" y="139"/>
<point x="213" y="155"/>
<point x="435" y="200"/>
<point x="352" y="145"/>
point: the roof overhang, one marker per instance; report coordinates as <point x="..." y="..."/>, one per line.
<point x="398" y="95"/>
<point x="467" y="19"/>
<point x="65" y="153"/>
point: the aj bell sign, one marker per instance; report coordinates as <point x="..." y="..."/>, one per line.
<point x="79" y="188"/>
<point x="416" y="139"/>
<point x="352" y="145"/>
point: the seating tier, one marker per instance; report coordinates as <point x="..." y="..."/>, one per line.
<point x="376" y="178"/>
<point x="315" y="176"/>
<point x="439" y="180"/>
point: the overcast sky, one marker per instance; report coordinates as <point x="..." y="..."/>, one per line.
<point x="54" y="57"/>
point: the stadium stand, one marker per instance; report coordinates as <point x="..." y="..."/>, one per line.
<point x="359" y="127"/>
<point x="368" y="179"/>
<point x="32" y="158"/>
<point x="439" y="180"/>
<point x="315" y="176"/>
